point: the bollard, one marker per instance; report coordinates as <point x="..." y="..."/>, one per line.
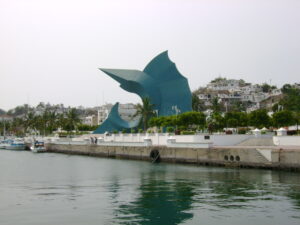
<point x="147" y="141"/>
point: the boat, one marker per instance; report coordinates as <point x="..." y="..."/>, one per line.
<point x="16" y="145"/>
<point x="5" y="143"/>
<point x="38" y="147"/>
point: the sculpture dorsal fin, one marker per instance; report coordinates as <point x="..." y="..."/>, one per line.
<point x="162" y="68"/>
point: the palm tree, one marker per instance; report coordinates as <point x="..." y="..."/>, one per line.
<point x="216" y="107"/>
<point x="29" y="121"/>
<point x="17" y="126"/>
<point x="145" y="111"/>
<point x="72" y="119"/>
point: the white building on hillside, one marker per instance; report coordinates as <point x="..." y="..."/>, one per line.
<point x="224" y="85"/>
<point x="103" y="112"/>
<point x="90" y="120"/>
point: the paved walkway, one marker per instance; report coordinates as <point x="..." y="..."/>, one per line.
<point x="277" y="147"/>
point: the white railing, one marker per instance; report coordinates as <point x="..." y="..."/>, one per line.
<point x="130" y="144"/>
<point x="197" y="140"/>
<point x="172" y="143"/>
<point x="70" y="142"/>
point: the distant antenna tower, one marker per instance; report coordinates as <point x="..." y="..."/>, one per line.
<point x="102" y="97"/>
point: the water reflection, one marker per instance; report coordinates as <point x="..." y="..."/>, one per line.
<point x="233" y="189"/>
<point x="163" y="199"/>
<point x="159" y="201"/>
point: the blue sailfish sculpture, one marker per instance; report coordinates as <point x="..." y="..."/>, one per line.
<point x="160" y="81"/>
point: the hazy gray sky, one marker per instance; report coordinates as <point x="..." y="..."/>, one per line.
<point x="50" y="50"/>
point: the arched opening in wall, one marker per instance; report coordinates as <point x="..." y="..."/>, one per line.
<point x="231" y="158"/>
<point x="226" y="157"/>
<point x="237" y="158"/>
<point x="154" y="156"/>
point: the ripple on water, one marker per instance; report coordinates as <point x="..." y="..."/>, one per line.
<point x="83" y="190"/>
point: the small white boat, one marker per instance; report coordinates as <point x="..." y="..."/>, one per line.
<point x="38" y="147"/>
<point x="5" y="143"/>
<point x="16" y="145"/>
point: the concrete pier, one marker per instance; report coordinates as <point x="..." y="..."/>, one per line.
<point x="271" y="157"/>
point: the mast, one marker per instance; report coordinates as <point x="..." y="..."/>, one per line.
<point x="4" y="128"/>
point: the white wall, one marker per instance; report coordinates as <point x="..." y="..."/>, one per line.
<point x="161" y="139"/>
<point x="287" y="140"/>
<point x="228" y="140"/>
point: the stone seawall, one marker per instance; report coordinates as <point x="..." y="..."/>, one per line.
<point x="233" y="156"/>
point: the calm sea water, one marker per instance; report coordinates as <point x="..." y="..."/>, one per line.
<point x="42" y="189"/>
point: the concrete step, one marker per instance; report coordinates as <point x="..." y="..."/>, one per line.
<point x="261" y="158"/>
<point x="258" y="141"/>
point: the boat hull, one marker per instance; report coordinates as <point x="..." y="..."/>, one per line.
<point x="38" y="150"/>
<point x="16" y="147"/>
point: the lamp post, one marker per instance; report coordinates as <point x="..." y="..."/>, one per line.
<point x="157" y="133"/>
<point x="175" y="108"/>
<point x="156" y="111"/>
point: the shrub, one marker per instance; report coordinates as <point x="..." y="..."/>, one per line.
<point x="228" y="131"/>
<point x="62" y="134"/>
<point x="133" y="131"/>
<point x="291" y="132"/>
<point x="182" y="127"/>
<point x="170" y="129"/>
<point x="177" y="132"/>
<point x="187" y="132"/>
<point x="141" y="131"/>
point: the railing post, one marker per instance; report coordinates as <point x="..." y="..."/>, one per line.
<point x="147" y="141"/>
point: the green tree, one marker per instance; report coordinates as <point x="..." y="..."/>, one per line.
<point x="275" y="107"/>
<point x="61" y="120"/>
<point x="85" y="127"/>
<point x="169" y="121"/>
<point x="219" y="79"/>
<point x="29" y="121"/>
<point x="234" y="119"/>
<point x="71" y="120"/>
<point x="189" y="119"/>
<point x="232" y="122"/>
<point x="296" y="116"/>
<point x="267" y="88"/>
<point x="145" y="110"/>
<point x="197" y="104"/>
<point x="259" y="118"/>
<point x="216" y="122"/>
<point x="17" y="127"/>
<point x="238" y="106"/>
<point x="283" y="118"/>
<point x="291" y="98"/>
<point x="216" y="106"/>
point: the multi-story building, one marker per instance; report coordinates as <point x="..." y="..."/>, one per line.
<point x="231" y="90"/>
<point x="90" y="120"/>
<point x="224" y="84"/>
<point x="103" y="112"/>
